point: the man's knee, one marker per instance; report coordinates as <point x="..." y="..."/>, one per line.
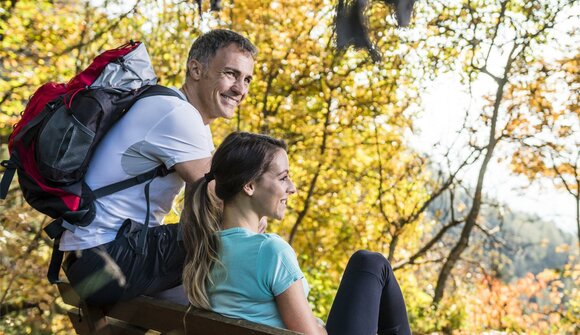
<point x="95" y="276"/>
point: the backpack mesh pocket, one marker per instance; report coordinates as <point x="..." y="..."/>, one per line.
<point x="63" y="146"/>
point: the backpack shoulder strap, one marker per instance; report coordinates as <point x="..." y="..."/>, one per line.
<point x="152" y="90"/>
<point x="159" y="171"/>
<point x="159" y="90"/>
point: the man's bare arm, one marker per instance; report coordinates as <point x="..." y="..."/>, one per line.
<point x="191" y="171"/>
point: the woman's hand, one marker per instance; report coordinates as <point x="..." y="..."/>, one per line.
<point x="263" y="225"/>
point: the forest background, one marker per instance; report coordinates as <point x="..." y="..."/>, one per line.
<point x="466" y="262"/>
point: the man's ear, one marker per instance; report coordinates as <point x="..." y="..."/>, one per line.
<point x="249" y="189"/>
<point x="195" y="69"/>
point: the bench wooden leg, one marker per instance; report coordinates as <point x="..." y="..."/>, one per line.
<point x="95" y="320"/>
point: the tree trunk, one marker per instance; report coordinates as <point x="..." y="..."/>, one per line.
<point x="578" y="216"/>
<point x="393" y="246"/>
<point x="471" y="219"/>
<point x="314" y="179"/>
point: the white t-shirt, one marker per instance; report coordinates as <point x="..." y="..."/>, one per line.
<point x="156" y="130"/>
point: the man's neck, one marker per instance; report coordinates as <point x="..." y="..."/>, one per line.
<point x="182" y="90"/>
<point x="186" y="90"/>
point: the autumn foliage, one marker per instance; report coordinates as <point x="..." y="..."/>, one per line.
<point x="349" y="123"/>
<point x="535" y="304"/>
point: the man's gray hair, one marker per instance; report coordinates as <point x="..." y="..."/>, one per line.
<point x="206" y="45"/>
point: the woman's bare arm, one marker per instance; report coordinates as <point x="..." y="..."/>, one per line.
<point x="296" y="312"/>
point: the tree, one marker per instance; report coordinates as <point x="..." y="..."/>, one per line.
<point x="485" y="34"/>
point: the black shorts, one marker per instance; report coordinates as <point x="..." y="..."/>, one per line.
<point x="115" y="271"/>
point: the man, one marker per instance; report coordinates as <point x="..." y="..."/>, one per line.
<point x="102" y="261"/>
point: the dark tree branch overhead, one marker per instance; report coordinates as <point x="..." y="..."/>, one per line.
<point x="215" y="5"/>
<point x="351" y="24"/>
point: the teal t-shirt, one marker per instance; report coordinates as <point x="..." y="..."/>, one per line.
<point x="256" y="268"/>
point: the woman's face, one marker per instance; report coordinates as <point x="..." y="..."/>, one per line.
<point x="273" y="188"/>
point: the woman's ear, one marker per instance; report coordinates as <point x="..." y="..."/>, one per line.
<point x="249" y="189"/>
<point x="195" y="69"/>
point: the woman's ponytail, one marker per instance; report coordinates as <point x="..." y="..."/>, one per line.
<point x="201" y="221"/>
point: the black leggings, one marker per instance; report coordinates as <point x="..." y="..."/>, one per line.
<point x="369" y="300"/>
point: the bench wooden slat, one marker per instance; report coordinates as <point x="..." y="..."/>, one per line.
<point x="147" y="313"/>
<point x="115" y="327"/>
<point x="165" y="317"/>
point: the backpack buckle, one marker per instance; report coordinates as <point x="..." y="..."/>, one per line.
<point x="68" y="226"/>
<point x="57" y="227"/>
<point x="8" y="164"/>
<point x="54" y="229"/>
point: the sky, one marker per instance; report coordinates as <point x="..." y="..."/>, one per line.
<point x="442" y="112"/>
<point x="444" y="105"/>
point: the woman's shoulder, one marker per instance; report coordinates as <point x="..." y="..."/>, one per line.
<point x="274" y="240"/>
<point x="275" y="245"/>
<point x="277" y="264"/>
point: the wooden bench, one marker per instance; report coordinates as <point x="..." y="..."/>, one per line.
<point x="146" y="315"/>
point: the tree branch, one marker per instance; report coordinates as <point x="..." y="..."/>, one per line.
<point x="17" y="307"/>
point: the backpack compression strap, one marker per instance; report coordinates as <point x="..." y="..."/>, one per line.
<point x="58" y="226"/>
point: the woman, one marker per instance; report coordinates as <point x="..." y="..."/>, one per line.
<point x="234" y="270"/>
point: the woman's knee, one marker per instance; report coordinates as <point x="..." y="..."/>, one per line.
<point x="368" y="261"/>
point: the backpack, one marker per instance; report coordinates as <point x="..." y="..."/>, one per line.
<point x="61" y="126"/>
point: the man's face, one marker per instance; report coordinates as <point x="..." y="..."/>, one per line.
<point x="223" y="85"/>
